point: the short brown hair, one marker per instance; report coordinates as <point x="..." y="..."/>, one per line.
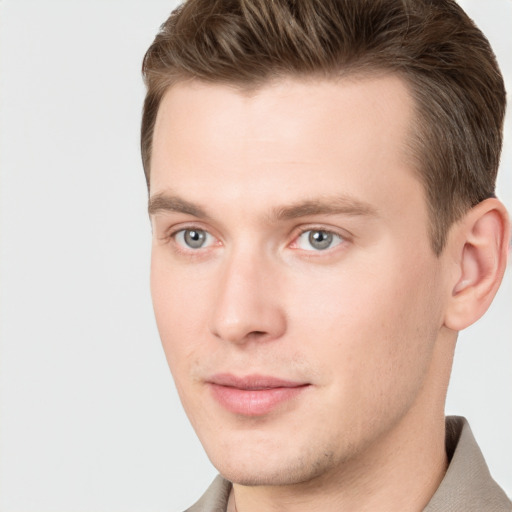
<point x="444" y="58"/>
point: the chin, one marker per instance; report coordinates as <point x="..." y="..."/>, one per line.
<point x="273" y="467"/>
<point x="265" y="476"/>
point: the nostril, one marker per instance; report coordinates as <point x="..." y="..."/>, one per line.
<point x="258" y="336"/>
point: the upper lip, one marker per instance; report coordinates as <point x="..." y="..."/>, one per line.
<point x="253" y="382"/>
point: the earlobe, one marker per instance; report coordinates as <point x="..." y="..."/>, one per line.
<point x="480" y="242"/>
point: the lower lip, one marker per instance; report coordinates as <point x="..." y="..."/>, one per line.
<point x="254" y="402"/>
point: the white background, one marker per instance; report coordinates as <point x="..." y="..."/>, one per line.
<point x="89" y="417"/>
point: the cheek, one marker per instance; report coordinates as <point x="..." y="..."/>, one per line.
<point x="368" y="320"/>
<point x="179" y="301"/>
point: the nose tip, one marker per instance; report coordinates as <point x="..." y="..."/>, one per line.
<point x="239" y="331"/>
<point x="242" y="321"/>
<point x="247" y="305"/>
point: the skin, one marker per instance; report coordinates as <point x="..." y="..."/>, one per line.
<point x="368" y="324"/>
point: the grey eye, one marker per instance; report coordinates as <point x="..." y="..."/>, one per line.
<point x="320" y="239"/>
<point x="194" y="238"/>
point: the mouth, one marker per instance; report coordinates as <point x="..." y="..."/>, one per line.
<point x="253" y="395"/>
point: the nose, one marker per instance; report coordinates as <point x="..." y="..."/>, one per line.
<point x="248" y="301"/>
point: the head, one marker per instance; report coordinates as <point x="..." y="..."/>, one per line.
<point x="321" y="180"/>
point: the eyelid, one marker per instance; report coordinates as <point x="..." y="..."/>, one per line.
<point x="171" y="233"/>
<point x="180" y="239"/>
<point x="344" y="236"/>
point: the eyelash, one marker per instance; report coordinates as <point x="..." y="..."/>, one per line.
<point x="171" y="237"/>
<point x="321" y="229"/>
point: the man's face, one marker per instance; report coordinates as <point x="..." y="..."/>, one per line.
<point x="295" y="290"/>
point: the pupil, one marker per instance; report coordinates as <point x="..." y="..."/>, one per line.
<point x="320" y="239"/>
<point x="194" y="238"/>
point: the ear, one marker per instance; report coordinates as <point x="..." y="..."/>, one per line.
<point x="479" y="246"/>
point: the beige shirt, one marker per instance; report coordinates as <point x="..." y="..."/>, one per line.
<point x="466" y="487"/>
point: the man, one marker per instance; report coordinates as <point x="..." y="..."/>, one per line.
<point x="321" y="178"/>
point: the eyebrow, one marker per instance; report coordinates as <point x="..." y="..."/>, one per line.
<point x="337" y="205"/>
<point x="160" y="203"/>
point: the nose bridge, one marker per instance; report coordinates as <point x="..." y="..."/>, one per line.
<point x="247" y="302"/>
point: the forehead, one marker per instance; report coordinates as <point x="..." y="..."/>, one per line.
<point x="285" y="140"/>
